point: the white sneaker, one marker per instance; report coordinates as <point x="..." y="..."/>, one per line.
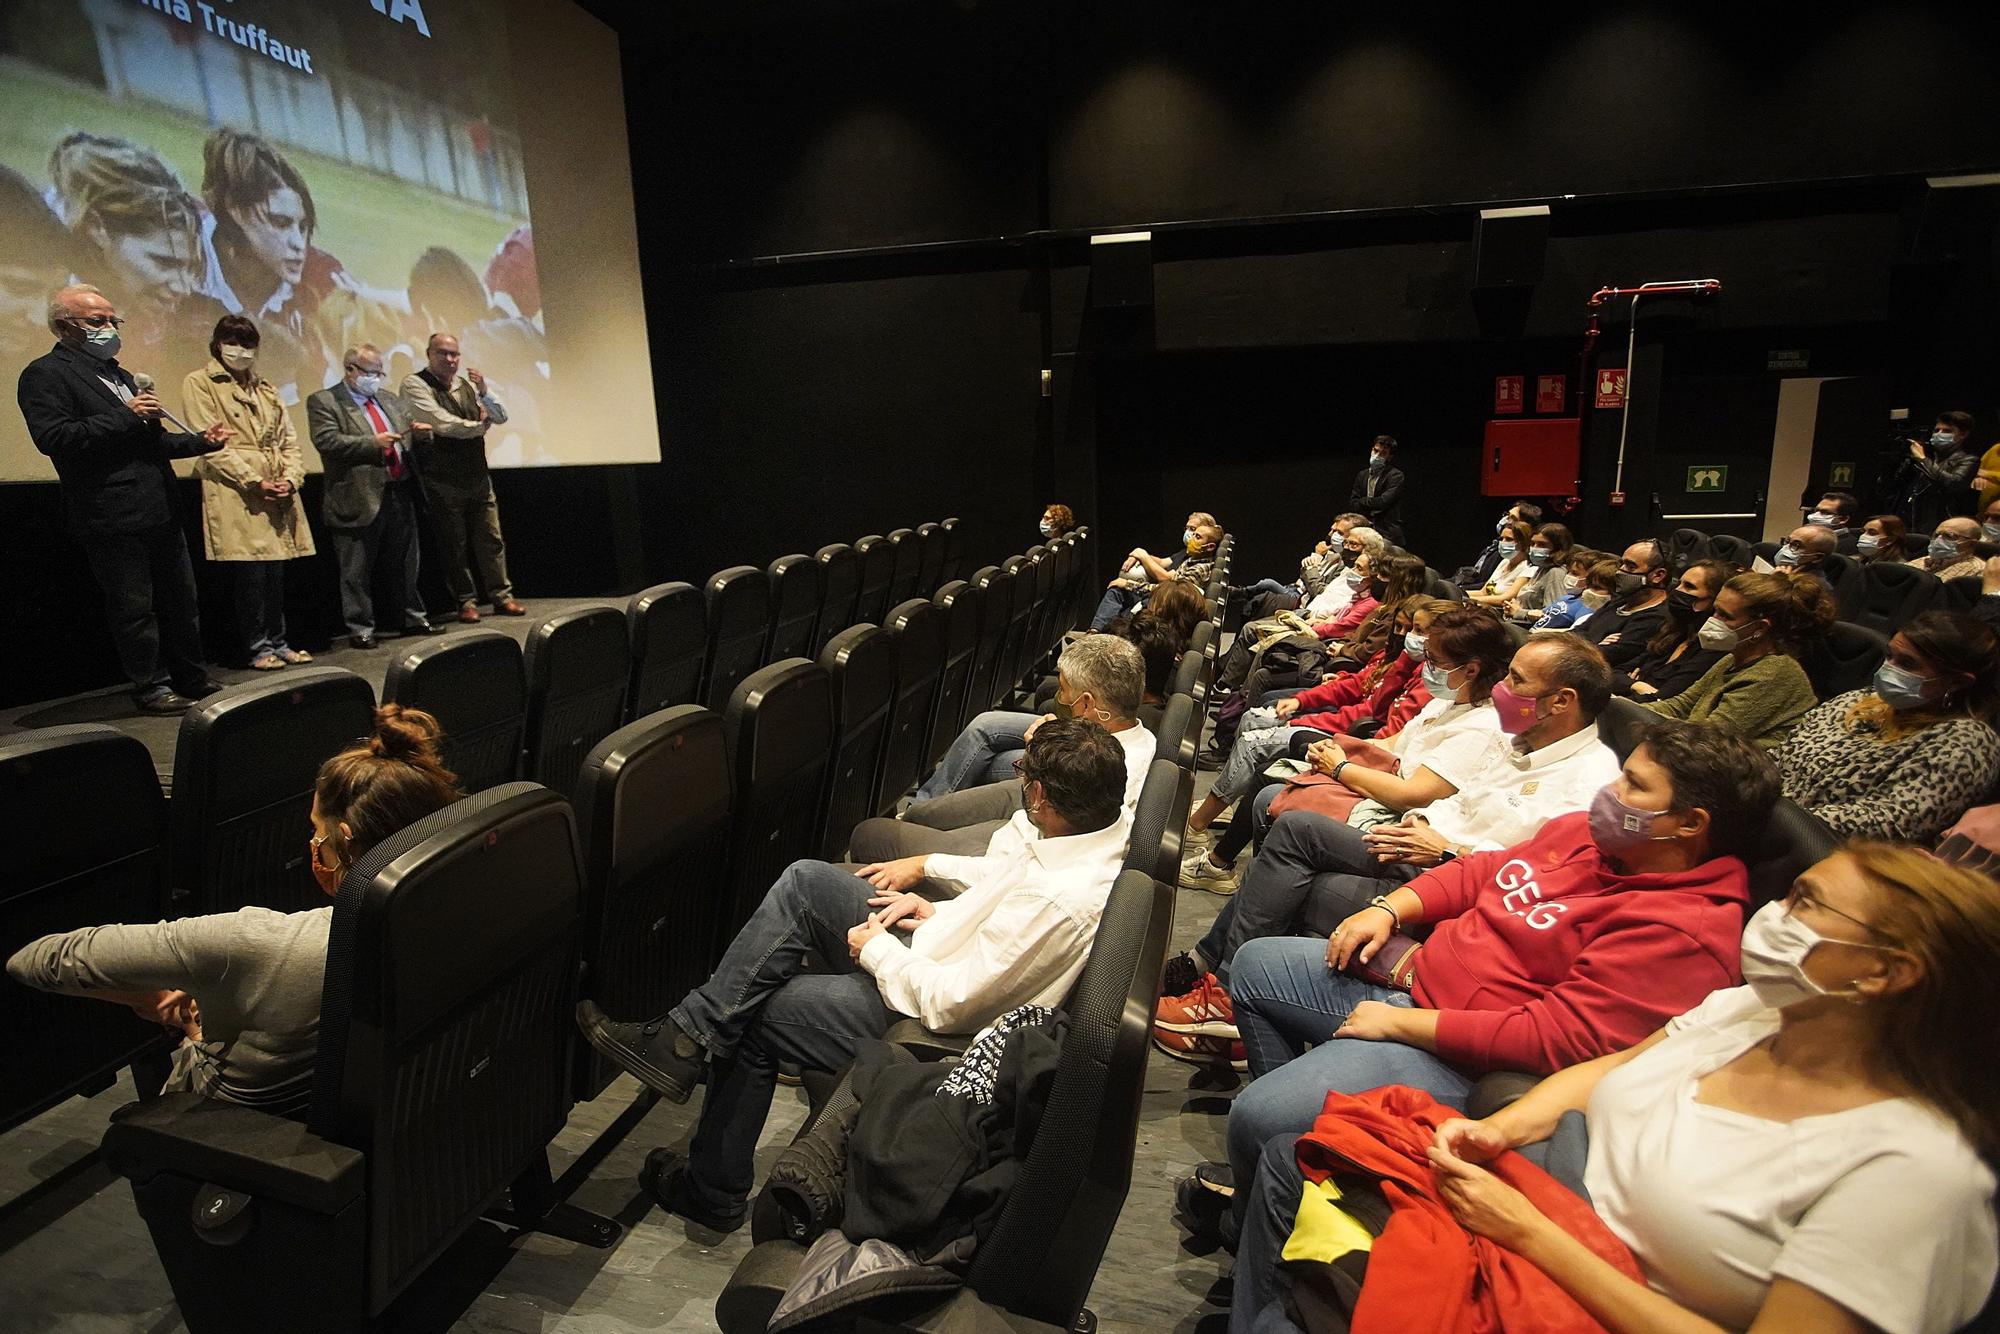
<point x="1198" y="872"/>
<point x="1192" y="838"/>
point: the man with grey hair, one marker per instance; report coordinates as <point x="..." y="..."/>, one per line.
<point x="363" y="434"/>
<point x="1099" y="678"/>
<point x="103" y="432"/>
<point x="460" y="409"/>
<point x="1805" y="550"/>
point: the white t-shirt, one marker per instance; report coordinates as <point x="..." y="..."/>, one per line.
<point x="1518" y="791"/>
<point x="1454" y="740"/>
<point x="1884" y="1209"/>
<point x="1140" y="746"/>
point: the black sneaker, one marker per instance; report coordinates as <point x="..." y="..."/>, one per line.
<point x="665" y="1178"/>
<point x="656" y="1053"/>
<point x="1200" y="1208"/>
<point x="1180" y="975"/>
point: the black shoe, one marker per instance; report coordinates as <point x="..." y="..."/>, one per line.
<point x="656" y="1053"/>
<point x="1180" y="975"/>
<point x="363" y="641"/>
<point x="422" y="628"/>
<point x="163" y="701"/>
<point x="1209" y="762"/>
<point x="201" y="689"/>
<point x="665" y="1178"/>
<point x="1200" y="1208"/>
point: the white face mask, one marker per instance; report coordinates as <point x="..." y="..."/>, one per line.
<point x="1717" y="637"/>
<point x="1775" y="946"/>
<point x="237" y="358"/>
<point x="369" y="385"/>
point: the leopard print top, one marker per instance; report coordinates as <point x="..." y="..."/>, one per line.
<point x="1910" y="789"/>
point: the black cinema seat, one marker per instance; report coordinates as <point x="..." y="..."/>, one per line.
<point x="1886" y="595"/>
<point x="919" y="631"/>
<point x="442" y="1075"/>
<point x="739" y="621"/>
<point x="954" y="550"/>
<point x="652" y="809"/>
<point x="244" y="767"/>
<point x="89" y="834"/>
<point x="795" y="602"/>
<point x="996" y="595"/>
<point x="840" y="588"/>
<point x="579" y="664"/>
<point x="669" y="629"/>
<point x="905" y="565"/>
<point x="861" y="663"/>
<point x="878" y="570"/>
<point x="474" y="684"/>
<point x="780" y="724"/>
<point x="930" y="559"/>
<point x="958" y="605"/>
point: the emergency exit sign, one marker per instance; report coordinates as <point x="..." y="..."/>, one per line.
<point x="1708" y="477"/>
<point x="1840" y="474"/>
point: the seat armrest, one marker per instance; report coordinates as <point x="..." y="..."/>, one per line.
<point x="964" y="1312"/>
<point x="237" y="1148"/>
<point x="924" y="1044"/>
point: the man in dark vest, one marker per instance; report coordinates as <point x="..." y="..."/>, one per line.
<point x="452" y="467"/>
<point x="104" y="434"/>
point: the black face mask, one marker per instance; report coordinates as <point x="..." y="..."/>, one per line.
<point x="1681" y="605"/>
<point x="1376" y="589"/>
<point x="1350" y="554"/>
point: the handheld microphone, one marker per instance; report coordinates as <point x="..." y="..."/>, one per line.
<point x="145" y="383"/>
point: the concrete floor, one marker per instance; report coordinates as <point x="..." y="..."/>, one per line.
<point x="75" y="1258"/>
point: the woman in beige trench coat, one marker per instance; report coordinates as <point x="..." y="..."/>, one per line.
<point x="251" y="513"/>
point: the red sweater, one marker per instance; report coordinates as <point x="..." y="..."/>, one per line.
<point x="1544" y="956"/>
<point x="1340" y="704"/>
<point x="1343" y="625"/>
<point x="1425" y="1272"/>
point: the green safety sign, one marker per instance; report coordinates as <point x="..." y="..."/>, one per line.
<point x="1708" y="477"/>
<point x="1840" y="474"/>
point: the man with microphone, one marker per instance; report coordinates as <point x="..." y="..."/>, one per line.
<point x="102" y="428"/>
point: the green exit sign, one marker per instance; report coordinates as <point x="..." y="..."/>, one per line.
<point x="1708" y="477"/>
<point x="1840" y="474"/>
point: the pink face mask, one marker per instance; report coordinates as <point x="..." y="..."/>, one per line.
<point x="1517" y="713"/>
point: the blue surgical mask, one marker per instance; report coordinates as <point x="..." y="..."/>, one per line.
<point x="1868" y="544"/>
<point x="1509" y="548"/>
<point x="1539" y="557"/>
<point x="1355" y="578"/>
<point x="1378" y="461"/>
<point x="1415" y="642"/>
<point x="1991" y="531"/>
<point x="1500" y="525"/>
<point x="102" y="343"/>
<point x="1823" y="520"/>
<point x="1942" y="440"/>
<point x="1788" y="556"/>
<point x="1900" y="688"/>
<point x="1045" y="527"/>
<point x="369" y="385"/>
<point x="1943" y="548"/>
<point x="1438" y="681"/>
<point x="1187" y="536"/>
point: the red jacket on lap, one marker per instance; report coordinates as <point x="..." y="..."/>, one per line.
<point x="1542" y="955"/>
<point x="1339" y="704"/>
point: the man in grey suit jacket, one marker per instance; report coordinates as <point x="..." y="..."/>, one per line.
<point x="362" y="432"/>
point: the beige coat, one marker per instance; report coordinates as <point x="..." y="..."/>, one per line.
<point x="238" y="522"/>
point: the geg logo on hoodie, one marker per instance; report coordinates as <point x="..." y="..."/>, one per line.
<point x="1522" y="896"/>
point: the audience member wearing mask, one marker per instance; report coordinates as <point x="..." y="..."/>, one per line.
<point x="1762" y="624"/>
<point x="1675" y="659"/>
<point x="1989" y="521"/>
<point x="1807" y="1152"/>
<point x="1592" y="582"/>
<point x="1057" y="521"/>
<point x="1266" y="734"/>
<point x="1804" y="551"/>
<point x="1481" y="569"/>
<point x="1938" y="479"/>
<point x="1143" y="571"/>
<point x="1548" y="554"/>
<point x="1951" y="554"/>
<point x="1840" y="514"/>
<point x="1514" y="570"/>
<point x="1378" y="490"/>
<point x="1907" y="757"/>
<point x="1359" y="549"/>
<point x="1319" y="568"/>
<point x="1392" y="580"/>
<point x="1622" y="630"/>
<point x="1987" y="609"/>
<point x="1881" y="539"/>
<point x="1572" y="945"/>
<point x="252" y="516"/>
<point x="1453" y="746"/>
<point x="244" y="986"/>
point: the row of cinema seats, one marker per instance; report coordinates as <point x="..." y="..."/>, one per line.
<point x="1035" y="1270"/>
<point x="447" y="1060"/>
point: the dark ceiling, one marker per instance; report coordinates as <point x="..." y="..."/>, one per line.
<point x="648" y="18"/>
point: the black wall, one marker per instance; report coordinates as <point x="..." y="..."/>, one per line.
<point x="863" y="236"/>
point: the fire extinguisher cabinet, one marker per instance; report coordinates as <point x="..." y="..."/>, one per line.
<point x="1532" y="456"/>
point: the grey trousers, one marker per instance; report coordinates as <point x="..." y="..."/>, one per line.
<point x="470" y="518"/>
<point x="391" y="542"/>
<point x="962" y="823"/>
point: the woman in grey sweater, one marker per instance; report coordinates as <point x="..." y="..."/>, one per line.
<point x="245" y="986"/>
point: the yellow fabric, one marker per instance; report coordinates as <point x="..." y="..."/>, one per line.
<point x="1322" y="1231"/>
<point x="1989" y="465"/>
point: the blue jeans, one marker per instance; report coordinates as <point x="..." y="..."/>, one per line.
<point x="758" y="1008"/>
<point x="1116" y="602"/>
<point x="983" y="753"/>
<point x="1302" y="879"/>
<point x="260" y="605"/>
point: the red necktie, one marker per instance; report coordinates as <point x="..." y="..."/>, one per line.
<point x="382" y="427"/>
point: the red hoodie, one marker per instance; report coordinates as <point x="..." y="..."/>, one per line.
<point x="1544" y="956"/>
<point x="1340" y="704"/>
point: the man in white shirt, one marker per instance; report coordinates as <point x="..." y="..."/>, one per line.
<point x="459" y="409"/>
<point x="1313" y="871"/>
<point x="1018" y="935"/>
<point x="1100" y="678"/>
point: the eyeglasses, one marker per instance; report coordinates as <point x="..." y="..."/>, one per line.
<point x="1801" y="897"/>
<point x="97" y="321"/>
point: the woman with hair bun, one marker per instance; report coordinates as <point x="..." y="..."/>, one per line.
<point x="245" y="985"/>
<point x="1762" y="625"/>
<point x="1907" y="757"/>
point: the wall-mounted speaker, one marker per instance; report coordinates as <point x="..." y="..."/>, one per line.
<point x="1121" y="269"/>
<point x="1509" y="245"/>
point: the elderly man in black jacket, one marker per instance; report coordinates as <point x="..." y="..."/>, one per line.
<point x="1378" y="490"/>
<point x="104" y="434"/>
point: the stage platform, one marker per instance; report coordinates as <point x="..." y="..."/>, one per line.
<point x="113" y="704"/>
